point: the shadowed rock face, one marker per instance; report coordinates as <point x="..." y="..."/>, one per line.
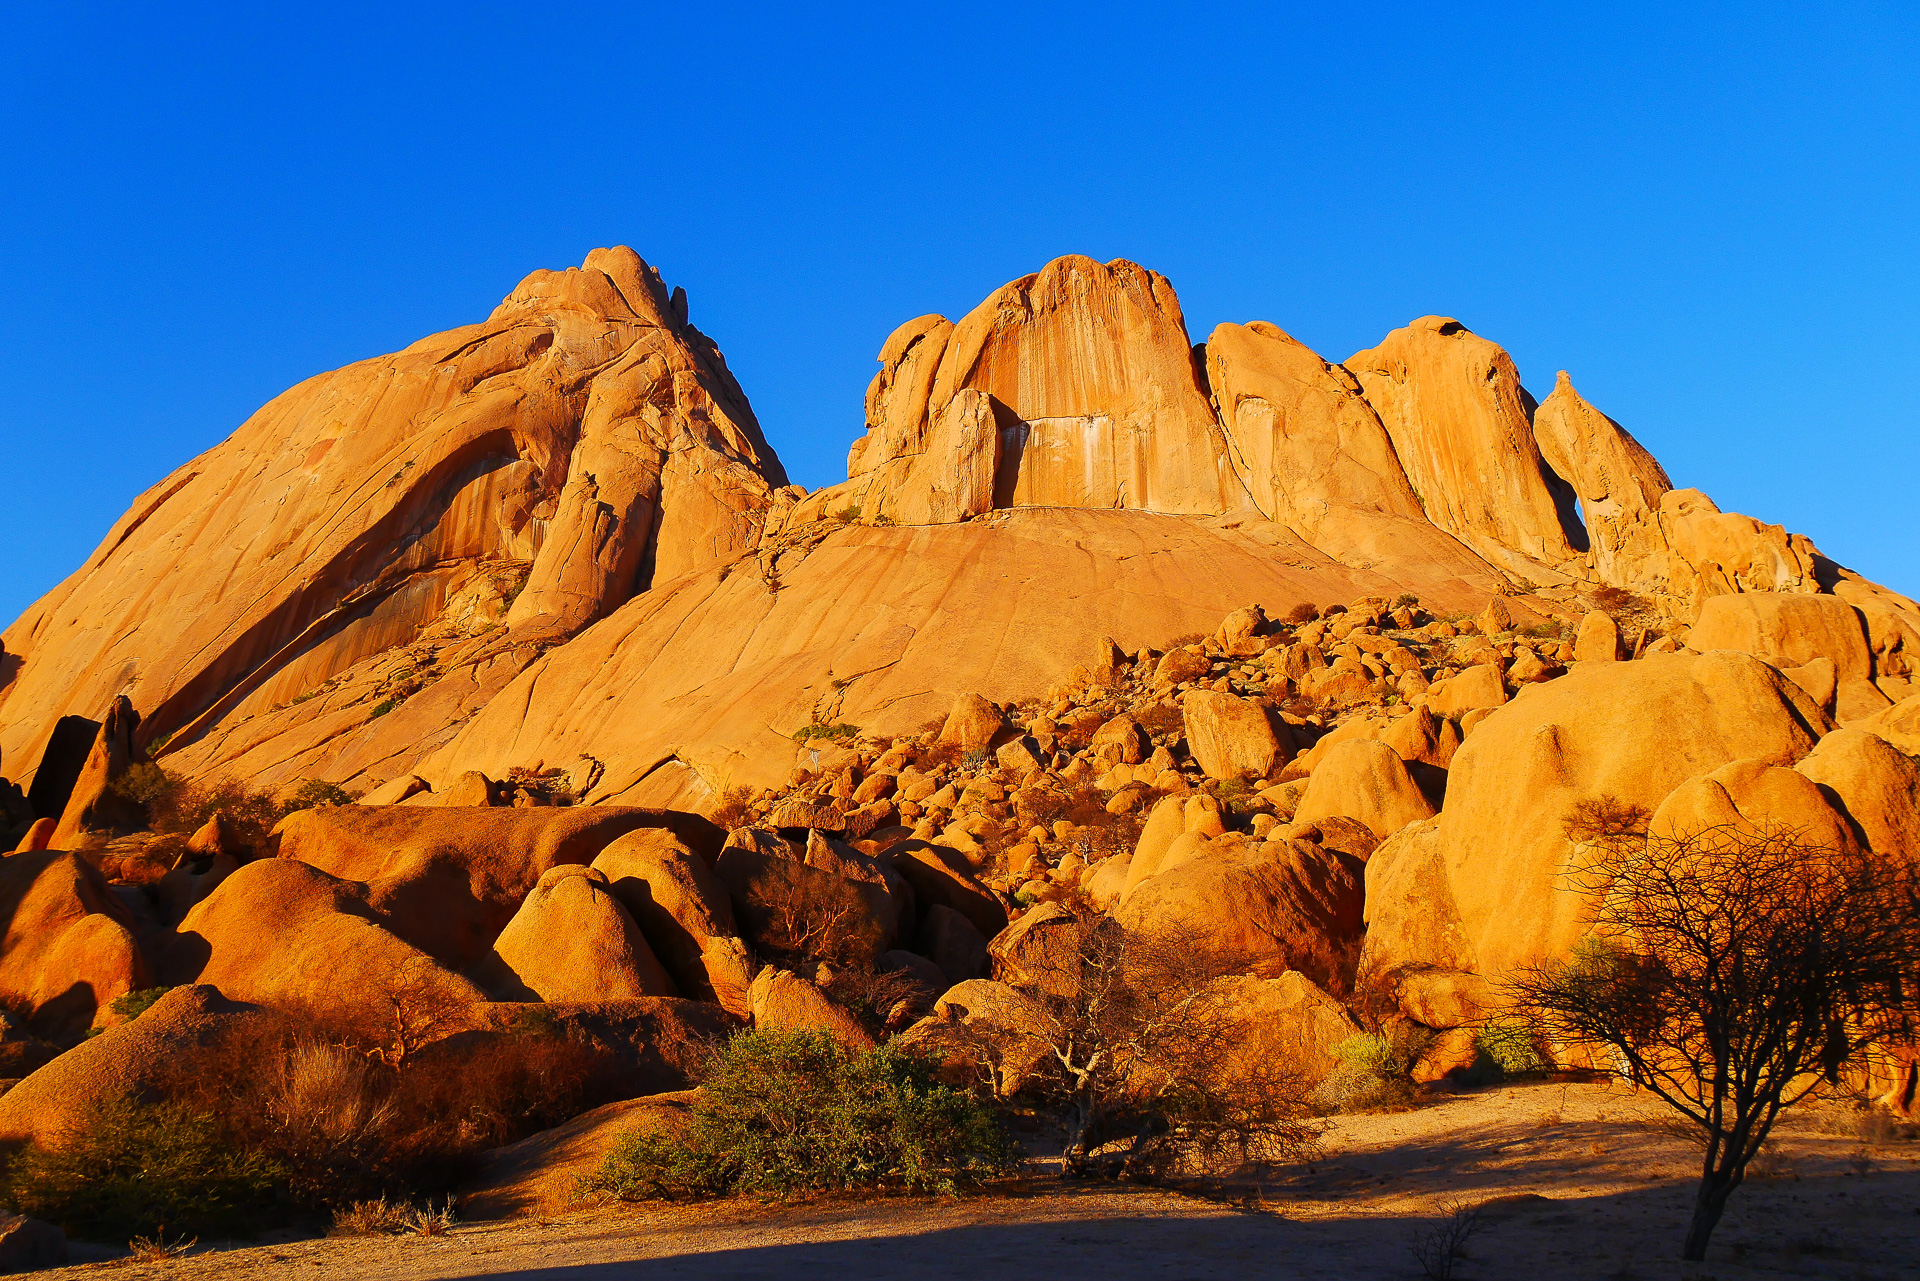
<point x="558" y="538"/>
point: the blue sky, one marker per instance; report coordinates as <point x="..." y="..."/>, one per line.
<point x="1705" y="213"/>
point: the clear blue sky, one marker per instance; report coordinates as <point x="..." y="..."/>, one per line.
<point x="1709" y="215"/>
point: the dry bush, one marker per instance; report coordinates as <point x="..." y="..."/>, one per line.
<point x="1096" y="833"/>
<point x="157" y="1249"/>
<point x="431" y="1222"/>
<point x="1183" y="640"/>
<point x="882" y="1000"/>
<point x="544" y="787"/>
<point x="1161" y="719"/>
<point x="1438" y="1248"/>
<point x="1732" y="971"/>
<point x="735" y="810"/>
<point x="806" y="919"/>
<point x="349" y="1121"/>
<point x="1600" y="819"/>
<point x="177" y="806"/>
<point x="376" y="1217"/>
<point x="1147" y="1058"/>
<point x="938" y="755"/>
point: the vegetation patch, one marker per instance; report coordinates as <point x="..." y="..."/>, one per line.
<point x="784" y="1112"/>
<point x="145" y="1170"/>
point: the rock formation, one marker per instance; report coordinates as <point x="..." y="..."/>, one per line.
<point x="409" y="549"/>
<point x="534" y="470"/>
<point x="1308" y="661"/>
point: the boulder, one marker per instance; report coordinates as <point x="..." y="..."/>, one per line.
<point x="1477" y="687"/>
<point x="1750" y="797"/>
<point x="1274" y="906"/>
<point x="680" y="906"/>
<point x="94" y="805"/>
<point x="189" y="883"/>
<point x="1106" y="881"/>
<point x="1040" y="949"/>
<point x="1482" y="888"/>
<point x="396" y="790"/>
<point x="972" y="724"/>
<point x="942" y="877"/>
<point x="27" y="1245"/>
<point x="39" y="836"/>
<point x="572" y="941"/>
<point x="471" y="790"/>
<point x="1232" y="738"/>
<point x="68" y="948"/>
<point x="1899" y="725"/>
<point x="1819" y="678"/>
<point x="1364" y="780"/>
<point x="1171" y="819"/>
<point x="1875" y="786"/>
<point x="283" y="934"/>
<point x="1121" y="740"/>
<point x="1333" y="832"/>
<point x="537" y="1175"/>
<point x="449" y="880"/>
<point x="1286" y="1020"/>
<point x="1179" y="666"/>
<point x="982" y="1023"/>
<point x="778" y="892"/>
<point x="1598" y="640"/>
<point x="782" y="999"/>
<point x="1796" y="628"/>
<point x="122" y="1063"/>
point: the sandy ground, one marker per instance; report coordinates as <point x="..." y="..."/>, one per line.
<point x="1614" y="1195"/>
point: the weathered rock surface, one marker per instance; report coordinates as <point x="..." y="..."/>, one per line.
<point x="68" y="949"/>
<point x="386" y="572"/>
<point x="121" y="1063"/>
<point x="580" y="443"/>
<point x="448" y="880"/>
<point x="280" y="933"/>
<point x="1479" y="889"/>
<point x="571" y="940"/>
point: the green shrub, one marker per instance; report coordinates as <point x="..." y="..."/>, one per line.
<point x="791" y="1111"/>
<point x="1376" y="1071"/>
<point x="806" y="732"/>
<point x="312" y="793"/>
<point x="1512" y="1048"/>
<point x="381" y="708"/>
<point x="146" y="784"/>
<point x="141" y="1169"/>
<point x="132" y="1005"/>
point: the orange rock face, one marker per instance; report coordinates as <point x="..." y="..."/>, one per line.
<point x="557" y="540"/>
<point x="581" y="441"/>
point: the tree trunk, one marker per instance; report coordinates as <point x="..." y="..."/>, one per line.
<point x="1708" y="1205"/>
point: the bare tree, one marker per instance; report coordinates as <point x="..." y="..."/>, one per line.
<point x="1147" y="1050"/>
<point x="1730" y="972"/>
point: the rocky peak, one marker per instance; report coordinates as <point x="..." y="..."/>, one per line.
<point x="537" y="469"/>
